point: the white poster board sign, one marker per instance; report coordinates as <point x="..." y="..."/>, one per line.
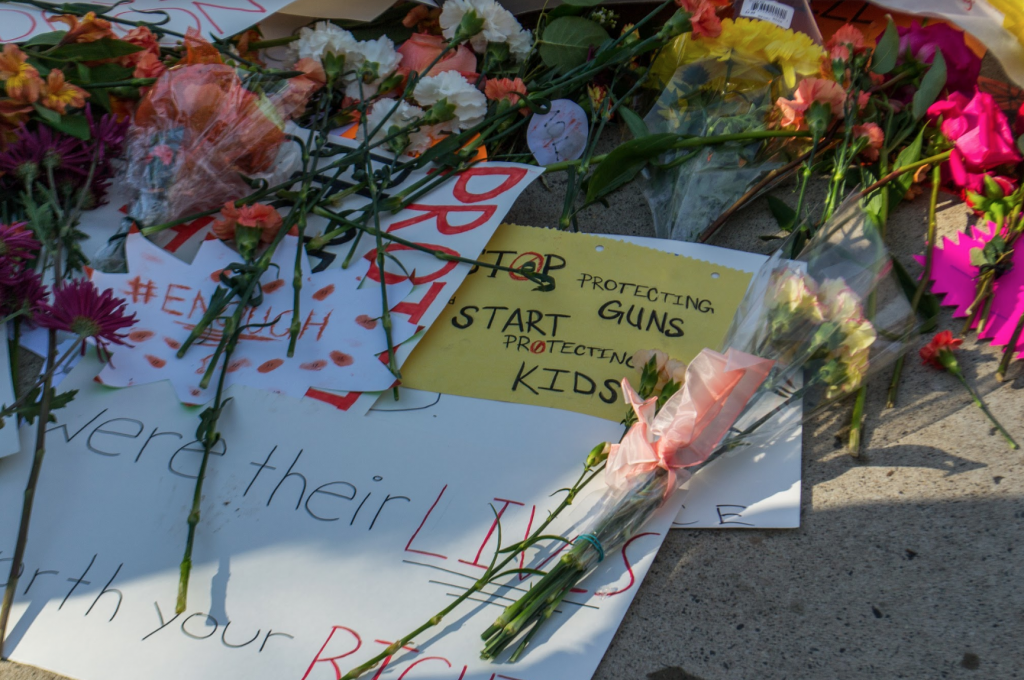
<point x="323" y="538"/>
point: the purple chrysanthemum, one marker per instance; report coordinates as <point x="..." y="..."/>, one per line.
<point x="27" y="296"/>
<point x="78" y="307"/>
<point x="108" y="134"/>
<point x="43" y="148"/>
<point x="17" y="242"/>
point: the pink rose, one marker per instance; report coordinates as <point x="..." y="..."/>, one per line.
<point x="962" y="65"/>
<point x="421" y="49"/>
<point x="979" y="131"/>
<point x="1018" y="123"/>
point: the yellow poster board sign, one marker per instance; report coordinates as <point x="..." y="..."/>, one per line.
<point x="569" y="348"/>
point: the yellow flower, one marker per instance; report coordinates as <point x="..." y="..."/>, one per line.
<point x="760" y="41"/>
<point x="859" y="335"/>
<point x="795" y="292"/>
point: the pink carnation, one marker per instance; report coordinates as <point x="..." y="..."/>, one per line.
<point x="875" y="137"/>
<point x="809" y="91"/>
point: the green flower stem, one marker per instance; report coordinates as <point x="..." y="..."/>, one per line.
<point x="385" y="316"/>
<point x="937" y="158"/>
<point x="924" y="284"/>
<point x="293" y="330"/>
<point x="585" y="478"/>
<point x="805" y="173"/>
<point x="210" y="439"/>
<point x="47" y="375"/>
<point x="981" y="404"/>
<point x="30" y="492"/>
<point x="439" y="254"/>
<point x="1010" y="350"/>
<point x="857" y="422"/>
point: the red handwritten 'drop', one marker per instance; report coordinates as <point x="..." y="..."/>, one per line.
<point x="270" y="365"/>
<point x="317" y="365"/>
<point x="156" y="362"/>
<point x="366" y="321"/>
<point x="273" y="285"/>
<point x="215" y="276"/>
<point x="140" y="335"/>
<point x="172" y="343"/>
<point x="323" y="293"/>
<point x="340" y="358"/>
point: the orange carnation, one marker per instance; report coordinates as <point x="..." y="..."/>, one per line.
<point x="841" y="41"/>
<point x="255" y="216"/>
<point x="875" y="137"/>
<point x="499" y="89"/>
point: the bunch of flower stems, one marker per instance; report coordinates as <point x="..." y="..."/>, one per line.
<point x="52" y="216"/>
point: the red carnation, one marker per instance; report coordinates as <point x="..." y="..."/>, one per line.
<point x="941" y="345"/>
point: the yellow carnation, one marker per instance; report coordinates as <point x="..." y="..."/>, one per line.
<point x="794" y="53"/>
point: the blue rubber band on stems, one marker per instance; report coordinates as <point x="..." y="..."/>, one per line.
<point x="592" y="540"/>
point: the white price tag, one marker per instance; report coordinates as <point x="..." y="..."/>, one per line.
<point x="778" y="13"/>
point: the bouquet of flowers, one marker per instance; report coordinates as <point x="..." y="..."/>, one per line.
<point x="720" y="83"/>
<point x="809" y="316"/>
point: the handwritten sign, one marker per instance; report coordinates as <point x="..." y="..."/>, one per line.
<point x="339" y="338"/>
<point x="318" y="544"/>
<point x="570" y="347"/>
<point x="220" y="17"/>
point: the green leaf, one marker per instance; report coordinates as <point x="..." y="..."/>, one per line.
<point x="928" y="307"/>
<point x="932" y="83"/>
<point x="1020" y="144"/>
<point x="567" y="40"/>
<point x="899" y="187"/>
<point x="637" y="126"/>
<point x="30" y="410"/>
<point x="624" y="162"/>
<point x="98" y="50"/>
<point x="74" y="125"/>
<point x="109" y="73"/>
<point x="51" y="38"/>
<point x="978" y="257"/>
<point x="46" y="114"/>
<point x="886" y="51"/>
<point x="784" y="215"/>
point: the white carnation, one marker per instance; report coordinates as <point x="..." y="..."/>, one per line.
<point x="470" y="103"/>
<point x="381" y="116"/>
<point x="380" y="57"/>
<point x="326" y="38"/>
<point x="499" y="26"/>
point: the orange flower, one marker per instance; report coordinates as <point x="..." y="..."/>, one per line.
<point x="21" y="79"/>
<point x="300" y="88"/>
<point x="148" y="66"/>
<point x="13" y="115"/>
<point x="140" y="37"/>
<point x="499" y="89"/>
<point x="809" y="91"/>
<point x="841" y="41"/>
<point x="421" y="49"/>
<point x="255" y="216"/>
<point x="59" y="94"/>
<point x="875" y="137"/>
<point x="89" y="29"/>
<point x="703" y="19"/>
<point x="242" y="44"/>
<point x="423" y="19"/>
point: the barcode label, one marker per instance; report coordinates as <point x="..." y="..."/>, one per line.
<point x="768" y="10"/>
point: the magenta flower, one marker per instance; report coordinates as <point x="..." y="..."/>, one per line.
<point x="962" y="65"/>
<point x="980" y="134"/>
<point x="78" y="307"/>
<point x="26" y="297"/>
<point x="17" y="242"/>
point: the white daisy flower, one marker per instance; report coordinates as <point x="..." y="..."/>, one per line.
<point x="451" y="86"/>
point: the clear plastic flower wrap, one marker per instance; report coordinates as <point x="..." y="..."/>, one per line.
<point x="200" y="129"/>
<point x="687" y="190"/>
<point x="810" y="329"/>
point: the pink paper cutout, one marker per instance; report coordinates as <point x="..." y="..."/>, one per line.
<point x="954" y="277"/>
